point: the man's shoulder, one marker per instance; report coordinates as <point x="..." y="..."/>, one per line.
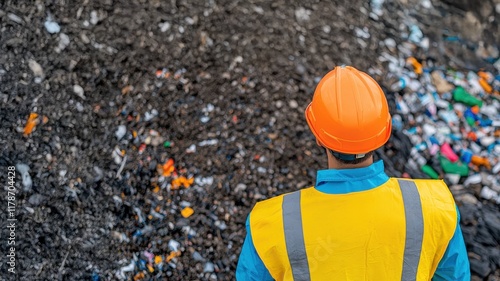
<point x="269" y="209"/>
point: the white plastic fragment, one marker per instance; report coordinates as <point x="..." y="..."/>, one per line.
<point x="377" y="7"/>
<point x="453" y="178"/>
<point x="473" y="179"/>
<point x="78" y="90"/>
<point x="120" y="274"/>
<point x="261" y="170"/>
<point x="164" y="26"/>
<point x="14" y="18"/>
<point x="23" y="169"/>
<point x="94" y="19"/>
<point x="208" y="142"/>
<point x="302" y="14"/>
<point x="150" y="115"/>
<point x="191" y="149"/>
<point x="209" y="267"/>
<point x="36" y="68"/>
<point x="51" y="26"/>
<point x="240" y="187"/>
<point x="63" y="42"/>
<point x="120" y="132"/>
<point x="496" y="168"/>
<point x="173" y="245"/>
<point x="201" y="181"/>
<point x="488" y="193"/>
<point x="486" y="141"/>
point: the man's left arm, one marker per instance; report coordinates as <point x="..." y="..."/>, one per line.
<point x="250" y="266"/>
<point x="455" y="263"/>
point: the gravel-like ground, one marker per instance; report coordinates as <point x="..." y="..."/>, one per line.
<point x="237" y="72"/>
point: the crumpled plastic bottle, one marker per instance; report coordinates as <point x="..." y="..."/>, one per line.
<point x="461" y="95"/>
<point x="449" y="167"/>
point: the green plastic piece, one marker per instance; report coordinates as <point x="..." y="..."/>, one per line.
<point x="428" y="170"/>
<point x="470" y="121"/>
<point x="458" y="167"/>
<point x="461" y="95"/>
<point x="167" y="144"/>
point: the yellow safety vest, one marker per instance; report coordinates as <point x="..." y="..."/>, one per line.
<point x="396" y="231"/>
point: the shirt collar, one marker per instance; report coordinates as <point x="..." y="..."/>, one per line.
<point x="340" y="181"/>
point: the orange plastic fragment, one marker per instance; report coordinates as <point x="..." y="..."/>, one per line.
<point x="417" y="67"/>
<point x="158" y="259"/>
<point x="475" y="109"/>
<point x="177" y="182"/>
<point x="486" y="87"/>
<point x="45" y="119"/>
<point x="472" y="136"/>
<point x="497" y="133"/>
<point x="168" y="167"/>
<point x="481" y="161"/>
<point x="173" y="255"/>
<point x="484" y="75"/>
<point x="150" y="268"/>
<point x="30" y="124"/>
<point x="187" y="212"/>
<point x="138" y="276"/>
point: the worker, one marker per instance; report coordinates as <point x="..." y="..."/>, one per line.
<point x="355" y="223"/>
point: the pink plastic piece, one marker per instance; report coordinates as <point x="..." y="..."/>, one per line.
<point x="434" y="149"/>
<point x="448" y="152"/>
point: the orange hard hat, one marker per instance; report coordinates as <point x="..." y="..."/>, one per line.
<point x="349" y="112"/>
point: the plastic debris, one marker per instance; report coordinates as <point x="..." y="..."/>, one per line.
<point x="187" y="212"/>
<point x="14" y="18"/>
<point x="461" y="95"/>
<point x="78" y="90"/>
<point x="128" y="268"/>
<point x="51" y="26"/>
<point x="167" y="169"/>
<point x="182" y="181"/>
<point x="23" y="170"/>
<point x="30" y="124"/>
<point x="36" y="68"/>
<point x="120" y="132"/>
<point x="209" y="267"/>
<point x="208" y="142"/>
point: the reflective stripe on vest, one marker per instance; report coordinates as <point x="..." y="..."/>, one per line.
<point x="294" y="234"/>
<point x="414" y="229"/>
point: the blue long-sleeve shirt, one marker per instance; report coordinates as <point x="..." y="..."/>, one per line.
<point x="453" y="266"/>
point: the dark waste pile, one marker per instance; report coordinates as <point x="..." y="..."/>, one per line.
<point x="143" y="132"/>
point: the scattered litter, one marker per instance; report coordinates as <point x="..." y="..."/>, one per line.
<point x="30" y="124"/>
<point x="187" y="212"/>
<point x="51" y="26"/>
<point x="120" y="132"/>
<point x="14" y="18"/>
<point x="63" y="42"/>
<point x="208" y="142"/>
<point x="36" y="68"/>
<point x="78" y="90"/>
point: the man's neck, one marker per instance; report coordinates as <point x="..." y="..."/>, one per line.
<point x="335" y="164"/>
